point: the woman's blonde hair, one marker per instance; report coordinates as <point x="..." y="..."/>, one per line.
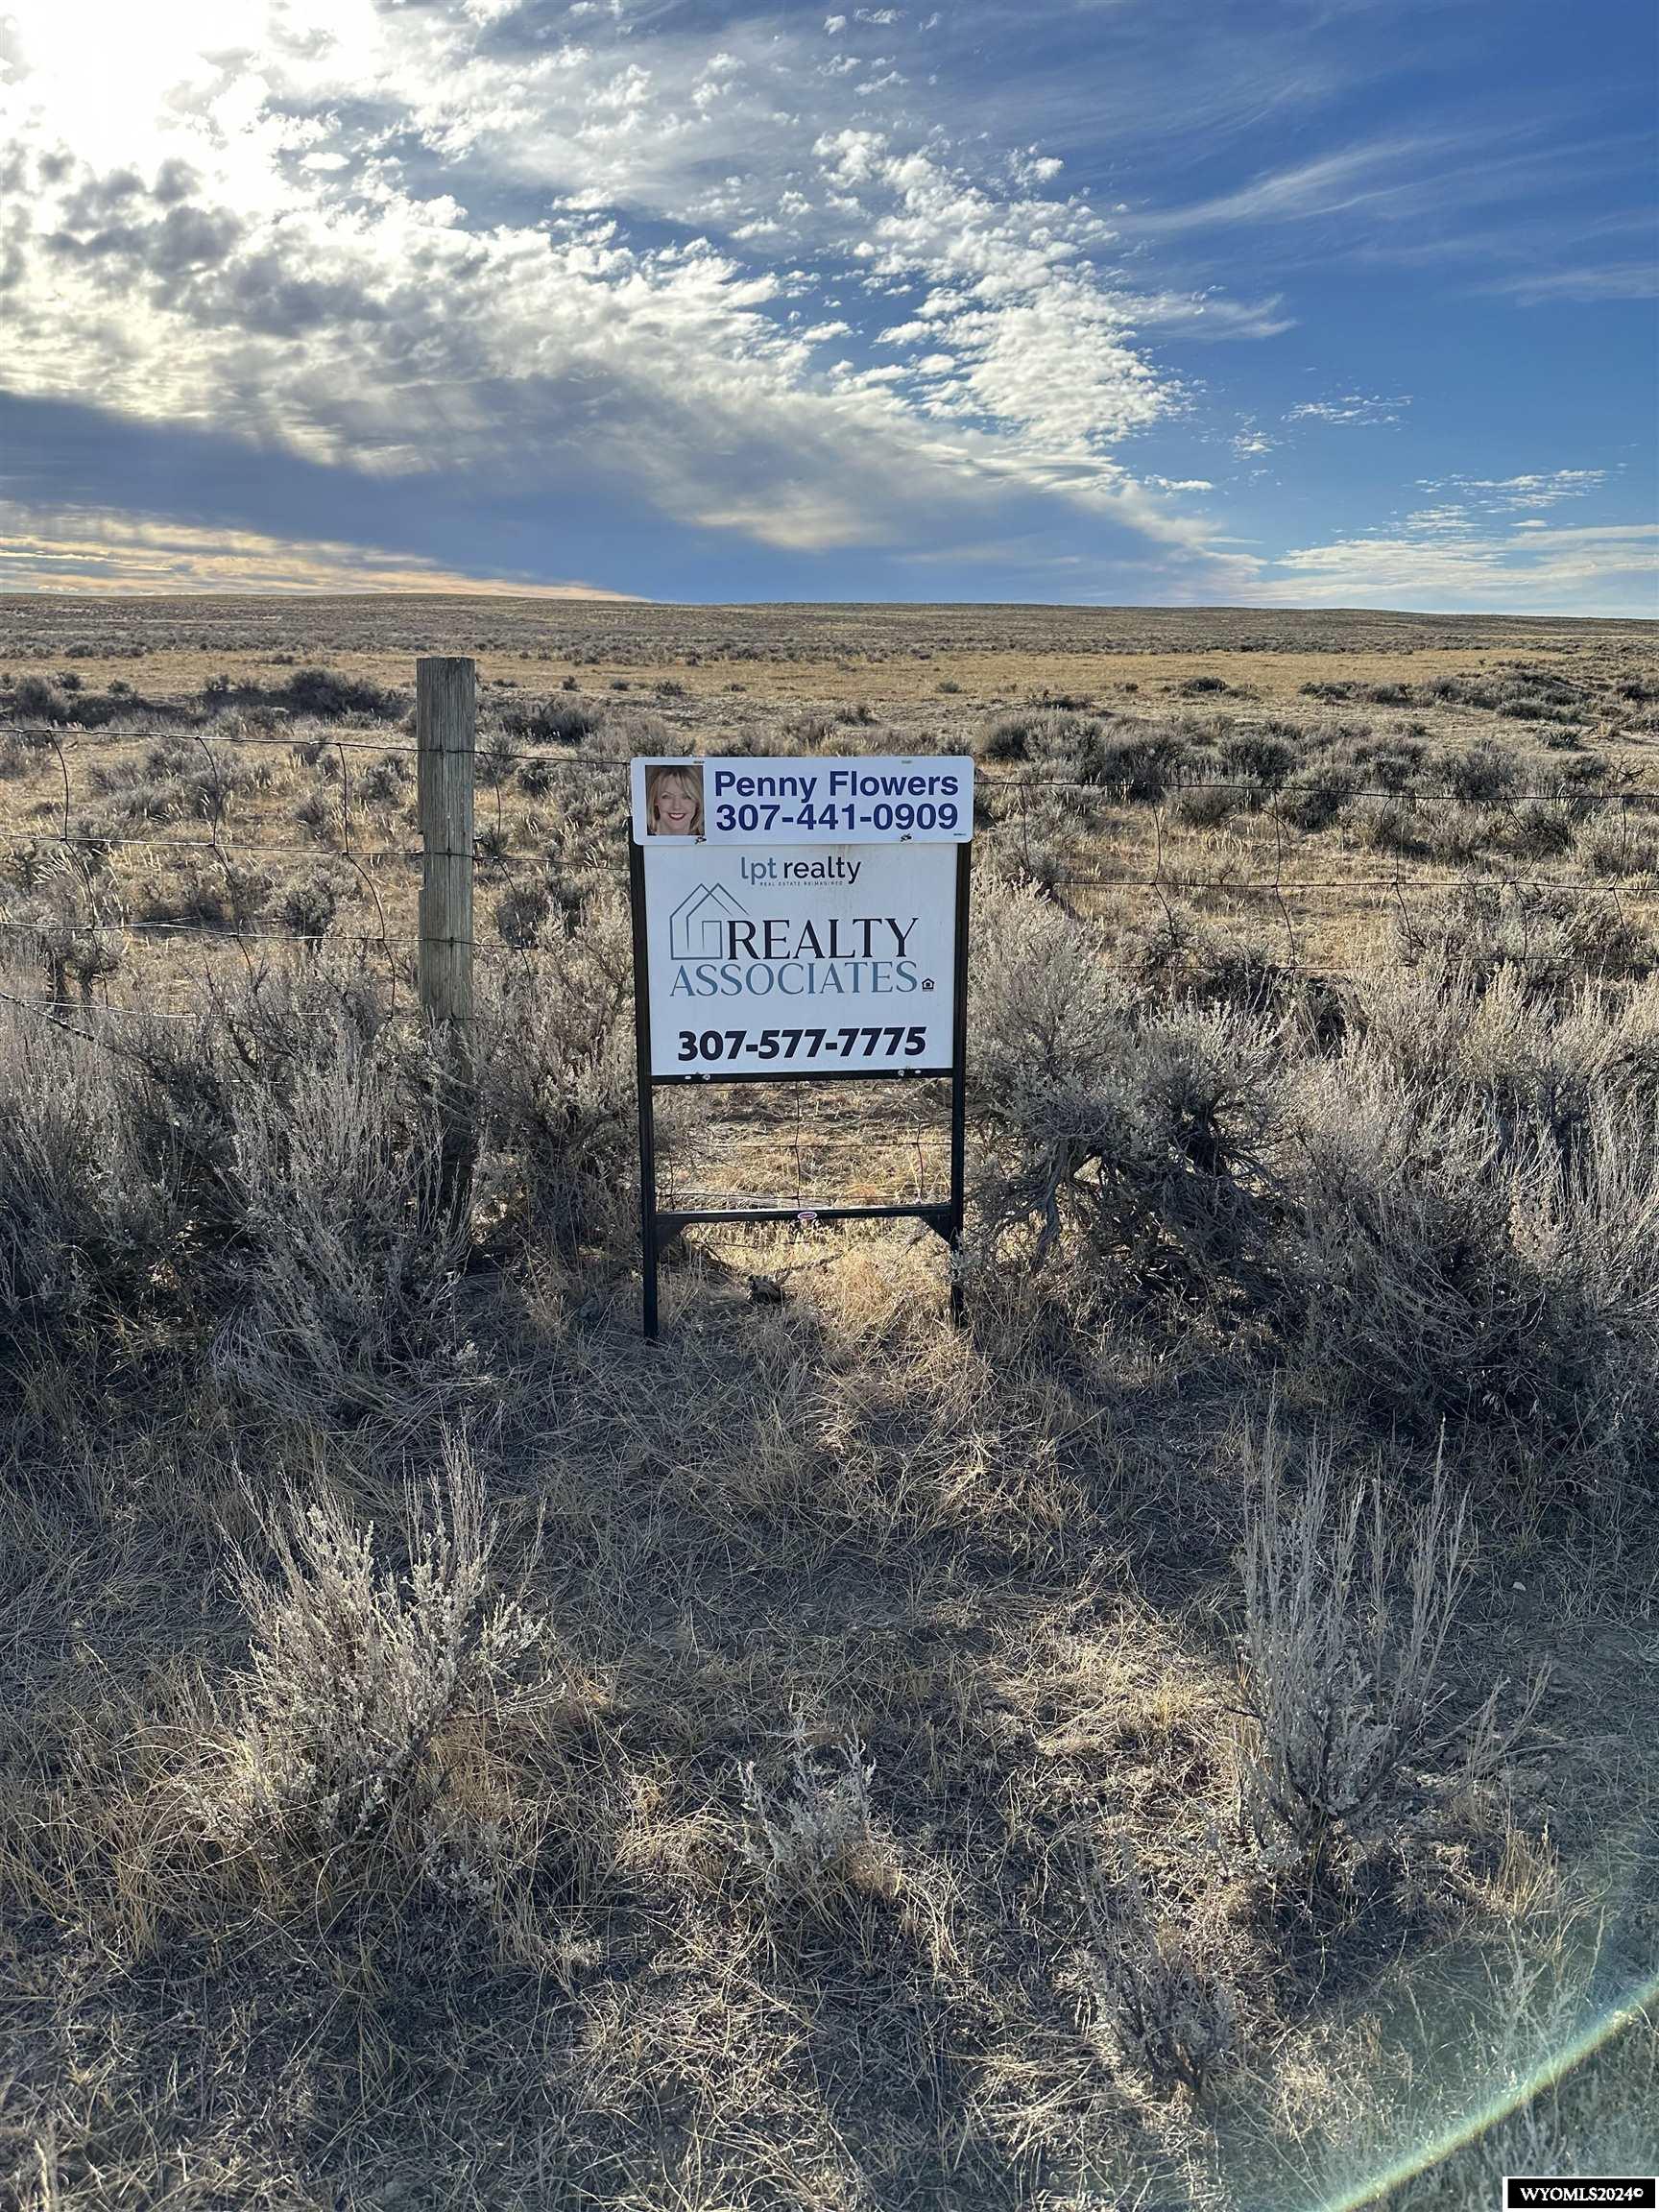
<point x="689" y="777"/>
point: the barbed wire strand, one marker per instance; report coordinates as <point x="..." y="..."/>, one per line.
<point x="1013" y="777"/>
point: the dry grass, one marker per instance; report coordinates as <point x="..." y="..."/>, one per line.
<point x="447" y="1755"/>
<point x="215" y="728"/>
<point x="749" y="659"/>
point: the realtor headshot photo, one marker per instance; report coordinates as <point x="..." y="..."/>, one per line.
<point x="674" y="800"/>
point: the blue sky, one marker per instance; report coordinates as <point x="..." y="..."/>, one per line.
<point x="1169" y="302"/>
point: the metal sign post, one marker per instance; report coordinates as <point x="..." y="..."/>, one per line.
<point x="761" y="952"/>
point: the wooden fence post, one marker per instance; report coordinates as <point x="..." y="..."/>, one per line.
<point x="446" y="728"/>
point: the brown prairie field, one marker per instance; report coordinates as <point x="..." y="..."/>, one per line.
<point x="1185" y="1739"/>
<point x="761" y="657"/>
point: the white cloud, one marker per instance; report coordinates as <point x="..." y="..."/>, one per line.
<point x="75" y="549"/>
<point x="1478" y="543"/>
<point x="1435" y="561"/>
<point x="1374" y="176"/>
<point x="1351" y="407"/>
<point x="1515" y="494"/>
<point x="1610" y="280"/>
<point x="1041" y="341"/>
<point x="1401" y="196"/>
<point x="1210" y="315"/>
<point x="397" y="239"/>
<point x="198" y="236"/>
<point x="1450" y="520"/>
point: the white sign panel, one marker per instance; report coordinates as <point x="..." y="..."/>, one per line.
<point x="799" y="959"/>
<point x="766" y="802"/>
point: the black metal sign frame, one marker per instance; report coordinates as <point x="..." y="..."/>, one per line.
<point x="658" y="1224"/>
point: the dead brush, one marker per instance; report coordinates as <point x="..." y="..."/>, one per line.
<point x="1142" y="1139"/>
<point x="87" y="1227"/>
<point x="1475" y="1191"/>
<point x="1171" y="2014"/>
<point x="364" y="1678"/>
<point x="1343" y="1688"/>
<point x="555" y="1074"/>
<point x="341" y="1295"/>
<point x="813" y="1841"/>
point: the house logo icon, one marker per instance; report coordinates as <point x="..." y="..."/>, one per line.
<point x="697" y="926"/>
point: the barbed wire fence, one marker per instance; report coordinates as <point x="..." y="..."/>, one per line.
<point x="1033" y="824"/>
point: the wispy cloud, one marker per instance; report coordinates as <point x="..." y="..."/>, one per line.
<point x="1351" y="407"/>
<point x="1440" y="560"/>
<point x="1497" y="204"/>
<point x="96" y="549"/>
<point x="1211" y="314"/>
<point x="1535" y="490"/>
<point x="1389" y="173"/>
<point x="1479" y="542"/>
<point x="1613" y="280"/>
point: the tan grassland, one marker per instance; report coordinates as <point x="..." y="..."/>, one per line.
<point x="808" y="653"/>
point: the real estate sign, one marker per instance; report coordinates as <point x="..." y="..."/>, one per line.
<point x="799" y="919"/>
<point x="801" y="915"/>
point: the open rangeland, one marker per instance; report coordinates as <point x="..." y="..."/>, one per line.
<point x="1184" y="1738"/>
